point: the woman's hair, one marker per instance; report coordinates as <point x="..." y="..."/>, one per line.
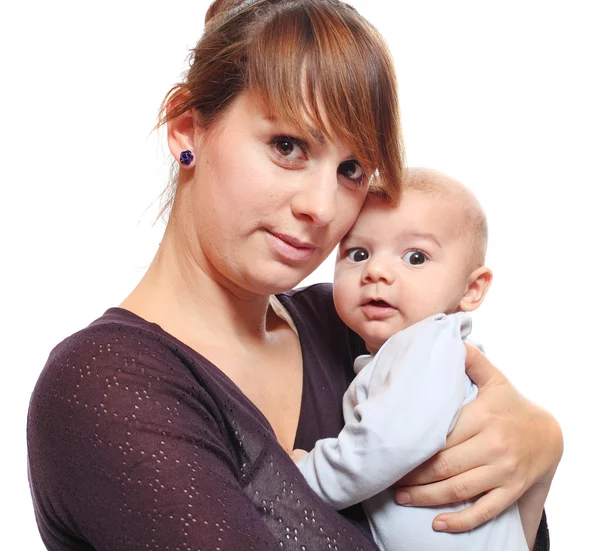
<point x="315" y="57"/>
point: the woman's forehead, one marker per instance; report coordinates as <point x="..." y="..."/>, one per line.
<point x="308" y="125"/>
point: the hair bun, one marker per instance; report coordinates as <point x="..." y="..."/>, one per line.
<point x="221" y="7"/>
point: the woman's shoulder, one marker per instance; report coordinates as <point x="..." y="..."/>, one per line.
<point x="116" y="357"/>
<point x="121" y="361"/>
<point x="118" y="337"/>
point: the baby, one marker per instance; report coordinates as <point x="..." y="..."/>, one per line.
<point x="406" y="275"/>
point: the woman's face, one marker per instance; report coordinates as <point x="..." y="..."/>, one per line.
<point x="267" y="205"/>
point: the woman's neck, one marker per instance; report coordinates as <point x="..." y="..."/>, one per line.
<point x="185" y="299"/>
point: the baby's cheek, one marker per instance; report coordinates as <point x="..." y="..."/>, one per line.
<point x="344" y="297"/>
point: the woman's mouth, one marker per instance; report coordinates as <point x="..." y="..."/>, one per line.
<point x="290" y="248"/>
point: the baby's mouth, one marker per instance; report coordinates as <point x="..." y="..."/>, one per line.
<point x="380" y="303"/>
<point x="378" y="309"/>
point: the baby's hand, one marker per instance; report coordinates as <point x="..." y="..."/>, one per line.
<point x="298" y="454"/>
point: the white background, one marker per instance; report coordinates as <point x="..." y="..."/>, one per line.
<point x="504" y="96"/>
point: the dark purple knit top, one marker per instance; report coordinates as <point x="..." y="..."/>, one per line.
<point x="138" y="442"/>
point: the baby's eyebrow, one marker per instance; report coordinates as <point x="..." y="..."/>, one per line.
<point x="349" y="236"/>
<point x="425" y="235"/>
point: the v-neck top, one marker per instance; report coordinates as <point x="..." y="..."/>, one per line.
<point x="136" y="441"/>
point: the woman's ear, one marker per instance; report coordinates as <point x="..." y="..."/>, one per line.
<point x="181" y="133"/>
<point x="477" y="287"/>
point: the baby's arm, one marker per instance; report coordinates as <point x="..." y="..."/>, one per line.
<point x="398" y="412"/>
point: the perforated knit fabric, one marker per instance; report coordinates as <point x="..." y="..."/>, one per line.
<point x="137" y="442"/>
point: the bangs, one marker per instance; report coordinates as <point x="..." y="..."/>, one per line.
<point x="314" y="68"/>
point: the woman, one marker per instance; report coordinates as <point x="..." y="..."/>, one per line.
<point x="167" y="423"/>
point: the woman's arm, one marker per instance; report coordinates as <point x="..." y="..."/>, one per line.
<point x="531" y="509"/>
<point x="126" y="452"/>
<point x="503" y="446"/>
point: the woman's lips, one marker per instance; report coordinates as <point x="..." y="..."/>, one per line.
<point x="290" y="248"/>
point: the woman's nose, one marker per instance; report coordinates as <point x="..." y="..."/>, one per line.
<point x="378" y="270"/>
<point x="316" y="200"/>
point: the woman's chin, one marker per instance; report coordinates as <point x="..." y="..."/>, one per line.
<point x="272" y="282"/>
<point x="279" y="277"/>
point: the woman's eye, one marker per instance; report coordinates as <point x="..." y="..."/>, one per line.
<point x="415" y="258"/>
<point x="352" y="170"/>
<point x="289" y="147"/>
<point x="357" y="255"/>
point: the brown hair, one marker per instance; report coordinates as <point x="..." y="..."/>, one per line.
<point x="303" y="56"/>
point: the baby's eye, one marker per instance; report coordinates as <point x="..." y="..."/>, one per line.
<point x="415" y="257"/>
<point x="357" y="255"/>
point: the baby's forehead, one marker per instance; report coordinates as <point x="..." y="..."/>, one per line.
<point x="412" y="207"/>
<point x="436" y="212"/>
<point x="374" y="212"/>
<point x="431" y="202"/>
<point x="383" y="220"/>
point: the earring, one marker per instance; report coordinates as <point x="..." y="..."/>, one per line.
<point x="186" y="157"/>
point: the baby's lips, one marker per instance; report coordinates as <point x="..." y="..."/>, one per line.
<point x="379" y="302"/>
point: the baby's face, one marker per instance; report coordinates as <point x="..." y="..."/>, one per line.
<point x="401" y="264"/>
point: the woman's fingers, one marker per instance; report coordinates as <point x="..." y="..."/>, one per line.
<point x="501" y="445"/>
<point x="480" y="416"/>
<point x="480" y="370"/>
<point x="470" y="422"/>
<point x="485" y="508"/>
<point x="449" y="462"/>
<point x="458" y="488"/>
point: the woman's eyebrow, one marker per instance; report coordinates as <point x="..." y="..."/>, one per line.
<point x="315" y="133"/>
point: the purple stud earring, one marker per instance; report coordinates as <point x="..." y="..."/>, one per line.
<point x="186" y="157"/>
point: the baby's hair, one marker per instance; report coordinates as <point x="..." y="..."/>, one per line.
<point x="303" y="57"/>
<point x="473" y="223"/>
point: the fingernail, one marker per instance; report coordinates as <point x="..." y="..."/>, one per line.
<point x="440" y="526"/>
<point x="402" y="498"/>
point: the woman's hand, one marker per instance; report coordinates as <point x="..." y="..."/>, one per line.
<point x="502" y="446"/>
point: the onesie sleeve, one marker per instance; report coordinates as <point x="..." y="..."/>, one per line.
<point x="397" y="411"/>
<point x="127" y="451"/>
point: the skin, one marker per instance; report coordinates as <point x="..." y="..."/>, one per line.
<point x="254" y="214"/>
<point x="400" y="264"/>
<point x="447" y="474"/>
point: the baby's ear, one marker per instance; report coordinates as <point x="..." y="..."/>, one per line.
<point x="477" y="287"/>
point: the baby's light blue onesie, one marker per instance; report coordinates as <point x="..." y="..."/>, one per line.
<point x="398" y="411"/>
